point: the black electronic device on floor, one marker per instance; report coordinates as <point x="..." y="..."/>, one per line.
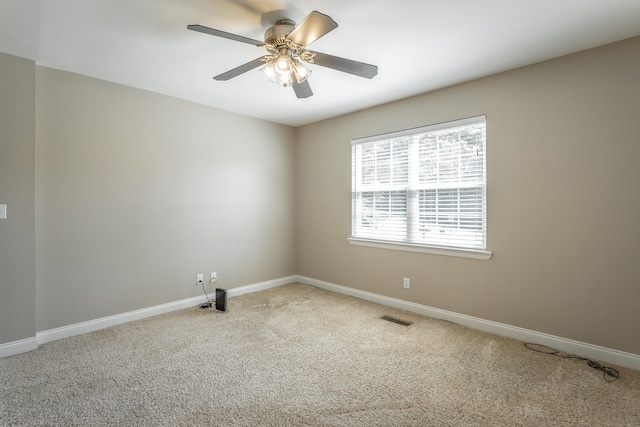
<point x="221" y="299"/>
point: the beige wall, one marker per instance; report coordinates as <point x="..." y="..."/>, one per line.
<point x="17" y="191"/>
<point x="138" y="192"/>
<point x="134" y="193"/>
<point x="563" y="200"/>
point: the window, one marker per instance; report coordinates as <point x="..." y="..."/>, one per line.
<point x="422" y="187"/>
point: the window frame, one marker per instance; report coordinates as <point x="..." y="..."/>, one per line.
<point x="403" y="245"/>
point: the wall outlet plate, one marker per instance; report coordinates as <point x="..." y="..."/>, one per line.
<point x="406" y="283"/>
<point x="199" y="278"/>
<point x="3" y="211"/>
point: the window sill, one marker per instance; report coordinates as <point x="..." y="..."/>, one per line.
<point x="434" y="250"/>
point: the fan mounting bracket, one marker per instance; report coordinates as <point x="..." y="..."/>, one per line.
<point x="281" y="29"/>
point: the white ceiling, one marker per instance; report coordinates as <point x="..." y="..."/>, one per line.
<point x="418" y="45"/>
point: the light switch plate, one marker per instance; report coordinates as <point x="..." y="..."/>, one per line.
<point x="3" y="211"/>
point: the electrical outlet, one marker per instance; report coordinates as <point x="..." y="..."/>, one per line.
<point x="214" y="277"/>
<point x="200" y="278"/>
<point x="406" y="283"/>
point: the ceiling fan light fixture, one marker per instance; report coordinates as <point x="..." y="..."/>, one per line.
<point x="282" y="68"/>
<point x="301" y="72"/>
<point x="287" y="59"/>
<point x="284" y="78"/>
<point x="269" y="72"/>
<point x="283" y="63"/>
<point x="279" y="72"/>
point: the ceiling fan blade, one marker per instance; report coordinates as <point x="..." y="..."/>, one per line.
<point x="240" y="70"/>
<point x="314" y="26"/>
<point x="224" y="35"/>
<point x="346" y="65"/>
<point x="302" y="90"/>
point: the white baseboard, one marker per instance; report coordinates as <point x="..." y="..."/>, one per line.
<point x="17" y="347"/>
<point x="591" y="351"/>
<point x="604" y="354"/>
<point x="234" y="292"/>
<point x="105" y="322"/>
<point x="118" y="319"/>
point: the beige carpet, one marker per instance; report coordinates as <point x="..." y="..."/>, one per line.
<point x="301" y="356"/>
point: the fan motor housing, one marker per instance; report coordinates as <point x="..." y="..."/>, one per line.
<point x="281" y="28"/>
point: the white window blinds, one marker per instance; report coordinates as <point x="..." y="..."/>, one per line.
<point x="424" y="186"/>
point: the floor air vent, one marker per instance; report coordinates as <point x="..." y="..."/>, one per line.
<point x="394" y="320"/>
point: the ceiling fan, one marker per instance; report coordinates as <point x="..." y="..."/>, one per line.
<point x="286" y="44"/>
